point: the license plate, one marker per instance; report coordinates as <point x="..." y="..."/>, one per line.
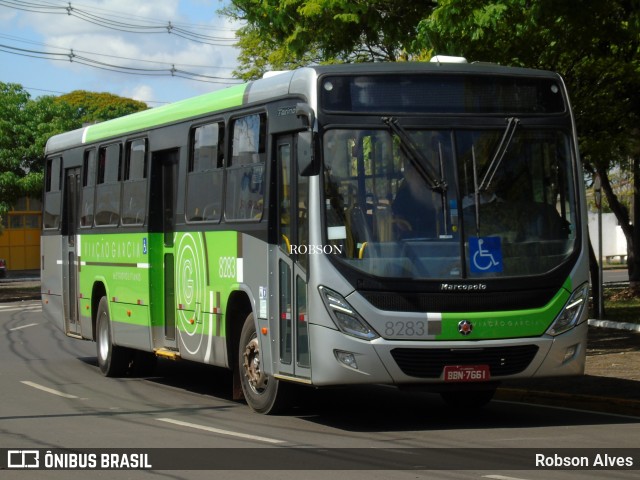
<point x="467" y="373"/>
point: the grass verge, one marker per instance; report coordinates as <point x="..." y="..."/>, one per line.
<point x="620" y="305"/>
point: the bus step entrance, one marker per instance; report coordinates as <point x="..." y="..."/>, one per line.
<point x="166" y="353"/>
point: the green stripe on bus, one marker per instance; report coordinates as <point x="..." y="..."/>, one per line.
<point x="507" y="324"/>
<point x="192" y="107"/>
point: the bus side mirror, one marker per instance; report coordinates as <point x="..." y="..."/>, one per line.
<point x="306" y="163"/>
<point x="304" y="110"/>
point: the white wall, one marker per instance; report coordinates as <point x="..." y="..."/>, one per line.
<point x="613" y="241"/>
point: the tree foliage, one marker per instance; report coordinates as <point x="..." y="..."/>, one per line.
<point x="594" y="45"/>
<point x="26" y="124"/>
<point x="287" y="33"/>
<point x="92" y="107"/>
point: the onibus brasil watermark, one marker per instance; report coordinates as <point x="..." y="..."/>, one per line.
<point x="309" y="458"/>
<point x="72" y="460"/>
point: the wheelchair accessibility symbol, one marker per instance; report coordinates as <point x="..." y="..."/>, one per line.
<point x="486" y="254"/>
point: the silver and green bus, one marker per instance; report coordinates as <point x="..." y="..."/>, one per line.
<point x="409" y="224"/>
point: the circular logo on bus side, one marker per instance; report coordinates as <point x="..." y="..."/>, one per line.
<point x="465" y="327"/>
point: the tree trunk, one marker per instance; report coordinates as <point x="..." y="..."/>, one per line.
<point x="595" y="282"/>
<point x="631" y="234"/>
<point x="633" y="247"/>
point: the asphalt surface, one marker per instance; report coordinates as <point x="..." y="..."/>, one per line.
<point x="611" y="383"/>
<point x="602" y="389"/>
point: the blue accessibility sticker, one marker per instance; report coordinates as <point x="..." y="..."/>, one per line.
<point x="485" y="254"/>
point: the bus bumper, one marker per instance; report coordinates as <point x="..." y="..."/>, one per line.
<point x="338" y="359"/>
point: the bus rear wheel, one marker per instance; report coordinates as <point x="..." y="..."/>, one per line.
<point x="263" y="393"/>
<point x="113" y="361"/>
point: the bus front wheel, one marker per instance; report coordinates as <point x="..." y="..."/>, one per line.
<point x="112" y="360"/>
<point x="263" y="393"/>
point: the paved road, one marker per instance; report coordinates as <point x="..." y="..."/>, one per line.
<point x="615" y="275"/>
<point x="52" y="396"/>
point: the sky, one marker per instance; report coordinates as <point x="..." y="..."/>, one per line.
<point x="207" y="57"/>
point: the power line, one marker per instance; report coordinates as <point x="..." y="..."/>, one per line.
<point x="129" y="16"/>
<point x="137" y="60"/>
<point x="44" y="90"/>
<point x="69" y="9"/>
<point x="75" y="57"/>
<point x="114" y="24"/>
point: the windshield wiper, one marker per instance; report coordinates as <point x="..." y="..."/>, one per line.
<point x="501" y="150"/>
<point x="417" y="158"/>
<point x="505" y="141"/>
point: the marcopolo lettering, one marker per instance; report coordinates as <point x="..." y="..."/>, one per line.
<point x="463" y="287"/>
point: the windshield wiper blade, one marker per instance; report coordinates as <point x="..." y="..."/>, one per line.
<point x="417" y="158"/>
<point x="503" y="146"/>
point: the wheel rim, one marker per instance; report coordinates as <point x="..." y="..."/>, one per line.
<point x="256" y="378"/>
<point x="103" y="338"/>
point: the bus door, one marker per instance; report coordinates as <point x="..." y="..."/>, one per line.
<point x="164" y="168"/>
<point x="293" y="356"/>
<point x="72" y="192"/>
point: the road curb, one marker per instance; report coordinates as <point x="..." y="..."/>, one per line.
<point x="619" y="406"/>
<point x="633" y="327"/>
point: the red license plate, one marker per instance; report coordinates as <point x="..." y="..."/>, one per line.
<point x="467" y="373"/>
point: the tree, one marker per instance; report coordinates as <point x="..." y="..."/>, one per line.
<point x="288" y="33"/>
<point x="27" y="124"/>
<point x="92" y="107"/>
<point x="595" y="45"/>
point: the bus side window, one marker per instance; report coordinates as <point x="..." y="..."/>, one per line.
<point x="108" y="186"/>
<point x="52" y="195"/>
<point x="134" y="188"/>
<point x="245" y="174"/>
<point x="88" y="188"/>
<point x="205" y="174"/>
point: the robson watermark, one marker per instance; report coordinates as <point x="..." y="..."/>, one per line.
<point x="316" y="249"/>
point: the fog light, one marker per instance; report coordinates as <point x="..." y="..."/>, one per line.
<point x="346" y="358"/>
<point x="570" y="353"/>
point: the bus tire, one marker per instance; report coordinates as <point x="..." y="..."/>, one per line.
<point x="263" y="393"/>
<point x="468" y="399"/>
<point x="113" y="361"/>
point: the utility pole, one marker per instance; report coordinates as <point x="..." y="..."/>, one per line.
<point x="597" y="186"/>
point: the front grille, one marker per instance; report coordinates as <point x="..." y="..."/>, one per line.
<point x="429" y="363"/>
<point x="458" y="302"/>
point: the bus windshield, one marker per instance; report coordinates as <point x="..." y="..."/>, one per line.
<point x="496" y="202"/>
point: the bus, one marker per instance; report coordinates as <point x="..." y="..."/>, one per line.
<point x="420" y="225"/>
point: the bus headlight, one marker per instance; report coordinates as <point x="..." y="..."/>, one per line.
<point x="571" y="312"/>
<point x="345" y="317"/>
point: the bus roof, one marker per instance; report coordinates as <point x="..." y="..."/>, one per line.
<point x="296" y="82"/>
